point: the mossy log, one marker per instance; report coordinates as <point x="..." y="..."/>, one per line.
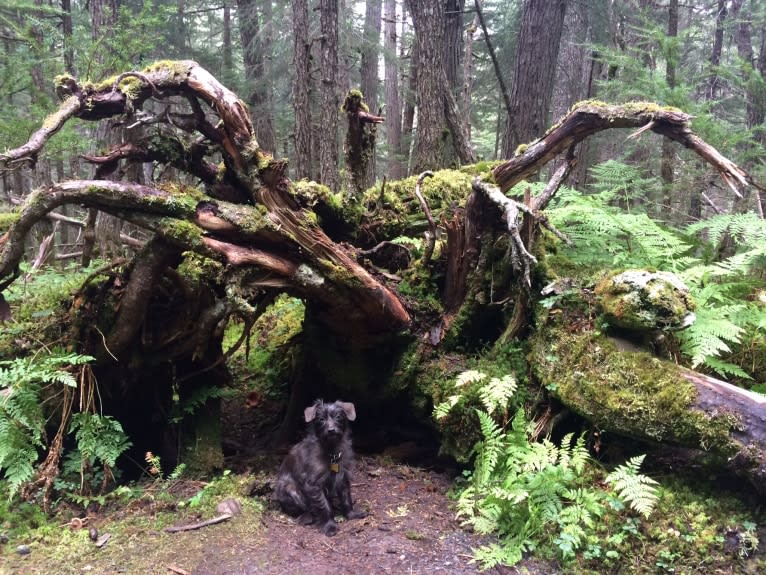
<point x="630" y="392"/>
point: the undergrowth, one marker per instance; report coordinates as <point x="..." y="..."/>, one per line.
<point x="536" y="496"/>
<point x="610" y="231"/>
<point x="556" y="502"/>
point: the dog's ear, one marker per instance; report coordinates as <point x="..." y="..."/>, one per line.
<point x="310" y="412"/>
<point x="349" y="409"/>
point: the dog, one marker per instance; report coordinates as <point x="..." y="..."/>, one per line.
<point x="314" y="481"/>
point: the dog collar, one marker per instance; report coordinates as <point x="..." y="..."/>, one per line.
<point x="335" y="461"/>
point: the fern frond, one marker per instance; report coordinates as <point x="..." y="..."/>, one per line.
<point x="469" y="376"/>
<point x="709" y="336"/>
<point x="496" y="394"/>
<point x="490" y="449"/>
<point x="635" y="489"/>
<point x="442" y="410"/>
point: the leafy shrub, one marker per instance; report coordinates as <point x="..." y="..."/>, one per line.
<point x="24" y="383"/>
<point x="535" y="495"/>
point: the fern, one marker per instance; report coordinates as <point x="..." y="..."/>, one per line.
<point x="99" y="437"/>
<point x="489" y="450"/>
<point x="635" y="489"/>
<point x="497" y="393"/>
<point x="606" y="235"/>
<point x="22" y="423"/>
<point x="746" y="228"/>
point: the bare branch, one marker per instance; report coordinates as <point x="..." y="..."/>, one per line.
<point x="588" y="118"/>
<point x="521" y="259"/>
<point x="433" y="234"/>
<point x="29" y="151"/>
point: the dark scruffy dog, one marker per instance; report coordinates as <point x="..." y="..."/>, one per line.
<point x="314" y="482"/>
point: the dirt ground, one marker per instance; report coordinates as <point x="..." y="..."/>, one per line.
<point x="410" y="529"/>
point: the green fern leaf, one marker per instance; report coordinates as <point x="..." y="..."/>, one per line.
<point x="635" y="489"/>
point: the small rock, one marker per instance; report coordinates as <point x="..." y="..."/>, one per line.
<point x="230" y="506"/>
<point x="93" y="533"/>
<point x="103" y="539"/>
<point x="23" y="550"/>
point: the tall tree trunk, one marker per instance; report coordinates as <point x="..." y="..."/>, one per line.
<point x="505" y="95"/>
<point x="301" y="87"/>
<point x="393" y="114"/>
<point x="369" y="70"/>
<point x="453" y="42"/>
<point x="328" y="116"/>
<point x="468" y="73"/>
<point x="408" y="119"/>
<point x="66" y="32"/>
<point x="228" y="59"/>
<point x="715" y="54"/>
<point x="534" y="70"/>
<point x="428" y="19"/>
<point x="668" y="151"/>
<point x="256" y="43"/>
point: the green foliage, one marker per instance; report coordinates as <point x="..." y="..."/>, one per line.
<point x="37" y="303"/>
<point x="639" y="491"/>
<point x="22" y="421"/>
<point x="535" y="495"/>
<point x="100" y="438"/>
<point x="722" y="290"/>
<point x="605" y="235"/>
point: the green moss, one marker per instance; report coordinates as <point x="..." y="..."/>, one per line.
<point x="520" y="149"/>
<point x="174" y="70"/>
<point x="197" y="268"/>
<point x="397" y="211"/>
<point x="644" y="300"/>
<point x="633" y="394"/>
<point x="181" y="231"/>
<point x="7" y="219"/>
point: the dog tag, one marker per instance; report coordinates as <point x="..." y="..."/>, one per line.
<point x="335" y="467"/>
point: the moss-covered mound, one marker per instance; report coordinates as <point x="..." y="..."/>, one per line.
<point x="631" y="393"/>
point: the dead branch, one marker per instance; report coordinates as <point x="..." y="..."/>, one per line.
<point x="588" y="118"/>
<point x="521" y="259"/>
<point x="433" y="231"/>
<point x="200" y="525"/>
<point x="29" y="151"/>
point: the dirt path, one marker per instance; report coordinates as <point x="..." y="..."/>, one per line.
<point x="410" y="529"/>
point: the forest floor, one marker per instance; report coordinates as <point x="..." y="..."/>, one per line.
<point x="410" y="529"/>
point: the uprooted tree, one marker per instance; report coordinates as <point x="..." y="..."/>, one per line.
<point x="226" y="246"/>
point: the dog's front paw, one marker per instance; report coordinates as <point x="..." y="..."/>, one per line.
<point x="356" y="514"/>
<point x="306" y="518"/>
<point x="330" y="528"/>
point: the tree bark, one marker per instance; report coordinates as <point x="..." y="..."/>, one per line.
<point x="66" y="32"/>
<point x="301" y="87"/>
<point x="542" y="22"/>
<point x="393" y="102"/>
<point x="715" y="53"/>
<point x="328" y="115"/>
<point x="428" y="19"/>
<point x="369" y="70"/>
<point x="256" y="46"/>
<point x="665" y="209"/>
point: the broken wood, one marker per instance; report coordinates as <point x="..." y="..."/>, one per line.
<point x="200" y="525"/>
<point x="589" y="117"/>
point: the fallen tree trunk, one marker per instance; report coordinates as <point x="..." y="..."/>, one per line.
<point x="629" y="392"/>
